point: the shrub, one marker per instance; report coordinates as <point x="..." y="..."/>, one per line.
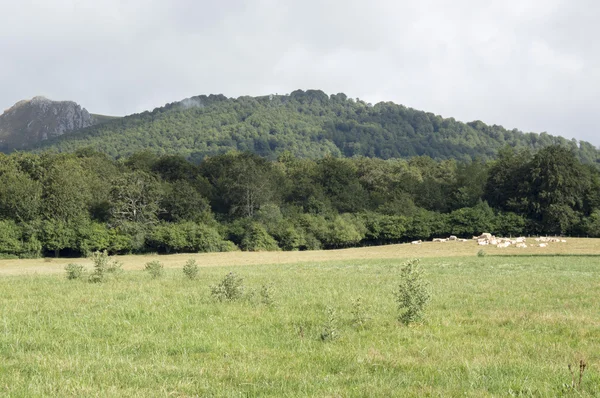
<point x="190" y="269"/>
<point x="340" y="231"/>
<point x="359" y="317"/>
<point x="119" y="241"/>
<point x="74" y="271"/>
<point x="412" y="294"/>
<point x="155" y="269"/>
<point x="316" y="227"/>
<point x="385" y="228"/>
<point x="290" y="238"/>
<point x="92" y="237"/>
<point x="228" y="246"/>
<point x="312" y="243"/>
<point x="32" y="248"/>
<point x="470" y="221"/>
<point x="330" y="330"/>
<point x="206" y="239"/>
<point x="187" y="237"/>
<point x="128" y="237"/>
<point x="167" y="237"/>
<point x="345" y="230"/>
<point x="231" y="288"/>
<point x="104" y="266"/>
<point x="10" y="238"/>
<point x="267" y="294"/>
<point x="591" y="225"/>
<point x="256" y="238"/>
<point x="481" y="253"/>
<point x="510" y="224"/>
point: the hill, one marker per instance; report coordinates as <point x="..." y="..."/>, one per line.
<point x="29" y="122"/>
<point x="306" y="123"/>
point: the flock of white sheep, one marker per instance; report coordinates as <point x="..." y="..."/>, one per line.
<point x="486" y="239"/>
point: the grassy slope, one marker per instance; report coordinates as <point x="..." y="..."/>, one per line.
<point x="497" y="326"/>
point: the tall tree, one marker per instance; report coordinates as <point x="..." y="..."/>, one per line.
<point x="243" y="183"/>
<point x="557" y="186"/>
<point x="20" y="196"/>
<point x="339" y="180"/>
<point x="508" y="181"/>
<point x="66" y="195"/>
<point x="135" y="197"/>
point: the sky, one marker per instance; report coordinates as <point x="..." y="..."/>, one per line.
<point x="527" y="64"/>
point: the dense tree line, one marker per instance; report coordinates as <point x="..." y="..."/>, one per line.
<point x="71" y="204"/>
<point x="308" y="124"/>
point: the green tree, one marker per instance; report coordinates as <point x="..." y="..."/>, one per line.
<point x="471" y="221"/>
<point x="92" y="236"/>
<point x="557" y="188"/>
<point x="58" y="235"/>
<point x="10" y="238"/>
<point x="469" y="186"/>
<point x="508" y="182"/>
<point x="243" y="183"/>
<point x="135" y="197"/>
<point x="182" y="202"/>
<point x="256" y="238"/>
<point x="20" y="196"/>
<point x="66" y="195"/>
<point x="339" y="181"/>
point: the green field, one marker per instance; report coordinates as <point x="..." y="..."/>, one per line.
<point x="496" y="326"/>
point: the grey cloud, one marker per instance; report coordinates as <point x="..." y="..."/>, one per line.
<point x="529" y="64"/>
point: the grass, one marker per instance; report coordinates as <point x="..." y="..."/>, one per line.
<point x="496" y="326"/>
<point x="579" y="246"/>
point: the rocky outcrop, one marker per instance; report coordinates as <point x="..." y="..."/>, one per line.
<point x="38" y="119"/>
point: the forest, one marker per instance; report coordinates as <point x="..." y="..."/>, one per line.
<point x="71" y="204"/>
<point x="307" y="124"/>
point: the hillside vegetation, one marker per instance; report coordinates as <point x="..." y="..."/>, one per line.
<point x="71" y="204"/>
<point x="307" y="124"/>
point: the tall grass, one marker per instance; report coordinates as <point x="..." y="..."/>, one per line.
<point x="494" y="327"/>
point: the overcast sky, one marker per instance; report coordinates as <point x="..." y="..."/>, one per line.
<point x="527" y="64"/>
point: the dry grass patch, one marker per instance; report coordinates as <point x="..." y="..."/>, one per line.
<point x="574" y="246"/>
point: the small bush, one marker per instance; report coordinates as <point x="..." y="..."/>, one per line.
<point x="267" y="294"/>
<point x="155" y="269"/>
<point x="190" y="269"/>
<point x="481" y="253"/>
<point x="103" y="266"/>
<point x="330" y="330"/>
<point x="412" y="294"/>
<point x="74" y="271"/>
<point x="231" y="288"/>
<point x="359" y="317"/>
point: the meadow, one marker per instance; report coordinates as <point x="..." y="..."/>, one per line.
<point x="507" y="324"/>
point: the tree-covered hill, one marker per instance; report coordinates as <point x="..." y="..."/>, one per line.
<point x="308" y="124"/>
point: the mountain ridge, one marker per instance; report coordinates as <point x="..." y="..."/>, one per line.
<point x="306" y="123"/>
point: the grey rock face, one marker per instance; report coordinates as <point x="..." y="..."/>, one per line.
<point x="28" y="122"/>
